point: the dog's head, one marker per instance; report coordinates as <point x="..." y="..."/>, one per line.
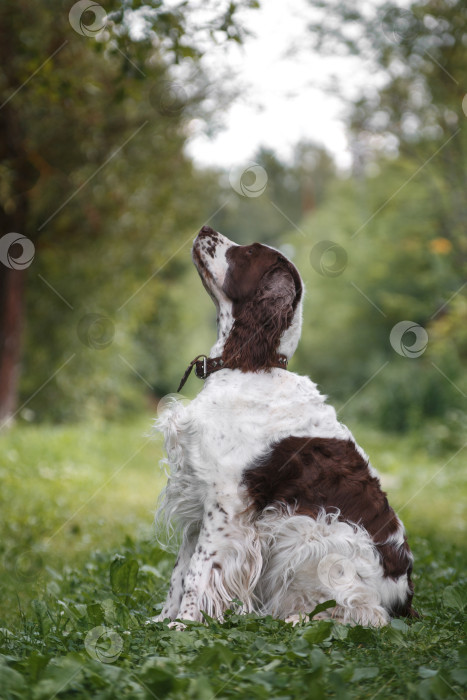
<point x="257" y="292"/>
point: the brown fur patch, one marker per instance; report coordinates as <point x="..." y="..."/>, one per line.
<point x="265" y="289"/>
<point x="314" y="473"/>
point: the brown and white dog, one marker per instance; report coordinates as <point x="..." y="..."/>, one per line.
<point x="277" y="505"/>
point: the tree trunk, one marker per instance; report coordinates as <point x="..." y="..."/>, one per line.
<point x="14" y="209"/>
<point x="12" y="284"/>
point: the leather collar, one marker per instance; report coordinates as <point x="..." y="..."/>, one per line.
<point x="204" y="366"/>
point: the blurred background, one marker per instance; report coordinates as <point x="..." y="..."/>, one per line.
<point x="334" y="132"/>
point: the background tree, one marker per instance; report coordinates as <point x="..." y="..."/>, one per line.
<point x="398" y="223"/>
<point x="293" y="188"/>
<point x="420" y="110"/>
<point x="93" y="120"/>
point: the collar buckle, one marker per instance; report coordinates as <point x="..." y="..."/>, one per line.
<point x="201" y="371"/>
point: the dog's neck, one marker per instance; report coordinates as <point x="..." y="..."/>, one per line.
<point x="225" y="321"/>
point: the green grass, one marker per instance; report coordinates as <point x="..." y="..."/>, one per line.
<point x="81" y="573"/>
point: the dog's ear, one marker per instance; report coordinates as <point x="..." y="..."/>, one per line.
<point x="260" y="322"/>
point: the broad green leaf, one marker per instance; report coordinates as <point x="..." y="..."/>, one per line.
<point x="95" y="614"/>
<point x="455" y="597"/>
<point x="109" y="608"/>
<point x="299" y="647"/>
<point x="159" y="677"/>
<point x="425" y="672"/>
<point x="339" y="684"/>
<point x="59" y="675"/>
<point x="323" y="606"/>
<point x="123" y="576"/>
<point x="317" y="632"/>
<point x="123" y="615"/>
<point x="36" y="664"/>
<point x="340" y="631"/>
<point x="434" y="687"/>
<point x="318" y="659"/>
<point x="12" y="683"/>
<point x="360" y="635"/>
<point x="400" y="625"/>
<point x="459" y="675"/>
<point x="395" y="636"/>
<point x="365" y="672"/>
<point x="201" y="689"/>
<point x="214" y="656"/>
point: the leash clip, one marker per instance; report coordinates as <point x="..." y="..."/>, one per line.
<point x="194" y="363"/>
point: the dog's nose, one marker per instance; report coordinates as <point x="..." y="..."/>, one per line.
<point x="213" y="238"/>
<point x="207" y="231"/>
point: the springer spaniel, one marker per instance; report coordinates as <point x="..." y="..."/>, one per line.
<point x="279" y="509"/>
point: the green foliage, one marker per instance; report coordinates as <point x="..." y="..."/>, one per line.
<point x="123" y="575"/>
<point x="94" y="172"/>
<point x="393" y="269"/>
<point x="246" y="656"/>
<point x="81" y="574"/>
<point x="398" y="223"/>
<point x="118" y="251"/>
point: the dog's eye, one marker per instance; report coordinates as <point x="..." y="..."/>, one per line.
<point x="250" y="251"/>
